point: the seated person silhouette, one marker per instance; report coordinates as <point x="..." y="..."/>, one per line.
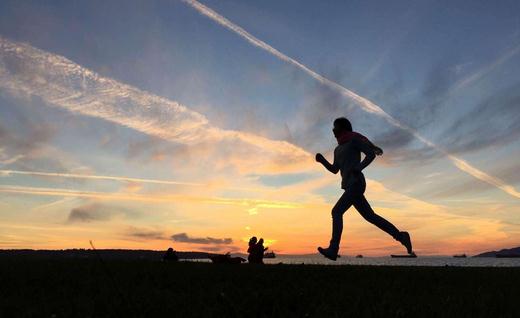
<point x="347" y="160"/>
<point x="225" y="259"/>
<point x="170" y="256"/>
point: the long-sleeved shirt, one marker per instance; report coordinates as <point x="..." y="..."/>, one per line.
<point x="347" y="157"/>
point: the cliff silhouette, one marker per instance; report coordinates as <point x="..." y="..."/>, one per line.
<point x="506" y="252"/>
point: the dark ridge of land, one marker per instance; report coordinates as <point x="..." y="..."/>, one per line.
<point x="506" y="252"/>
<point x="103" y="253"/>
<point x="75" y="287"/>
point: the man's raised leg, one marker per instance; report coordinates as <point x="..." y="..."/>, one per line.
<point x="361" y="204"/>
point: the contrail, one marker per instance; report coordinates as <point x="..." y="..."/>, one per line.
<point x="121" y="179"/>
<point x="96" y="177"/>
<point x="365" y="104"/>
<point x="246" y="203"/>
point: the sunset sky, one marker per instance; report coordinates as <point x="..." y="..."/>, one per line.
<point x="150" y="124"/>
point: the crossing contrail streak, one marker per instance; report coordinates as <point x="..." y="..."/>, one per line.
<point x="95" y="177"/>
<point x="4" y="173"/>
<point x="365" y="104"/>
<point x="246" y="203"/>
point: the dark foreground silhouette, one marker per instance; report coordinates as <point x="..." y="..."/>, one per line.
<point x="76" y="287"/>
<point x="347" y="160"/>
<point x="170" y="256"/>
<point x="503" y="253"/>
<point x="256" y="250"/>
<point x="226" y="259"/>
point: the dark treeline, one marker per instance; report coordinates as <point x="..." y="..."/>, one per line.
<point x="104" y="253"/>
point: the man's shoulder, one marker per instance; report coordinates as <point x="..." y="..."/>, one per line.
<point x="360" y="142"/>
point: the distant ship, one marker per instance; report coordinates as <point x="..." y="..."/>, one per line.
<point x="460" y="256"/>
<point x="270" y="255"/>
<point x="359" y="256"/>
<point x="412" y="255"/>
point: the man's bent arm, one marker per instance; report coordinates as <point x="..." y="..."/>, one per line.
<point x="331" y="167"/>
<point x="369" y="155"/>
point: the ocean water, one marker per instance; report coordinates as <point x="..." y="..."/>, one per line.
<point x="389" y="261"/>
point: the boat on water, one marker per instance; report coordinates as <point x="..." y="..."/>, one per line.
<point x="359" y="256"/>
<point x="460" y="256"/>
<point x="404" y="255"/>
<point x="270" y="255"/>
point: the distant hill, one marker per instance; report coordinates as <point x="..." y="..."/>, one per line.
<point x="105" y="254"/>
<point x="511" y="252"/>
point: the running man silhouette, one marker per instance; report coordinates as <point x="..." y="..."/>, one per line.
<point x="347" y="159"/>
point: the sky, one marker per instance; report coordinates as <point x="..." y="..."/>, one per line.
<point x="194" y="124"/>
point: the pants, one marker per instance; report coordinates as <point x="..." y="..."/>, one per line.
<point x="355" y="196"/>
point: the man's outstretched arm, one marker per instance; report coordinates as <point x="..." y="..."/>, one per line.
<point x="332" y="168"/>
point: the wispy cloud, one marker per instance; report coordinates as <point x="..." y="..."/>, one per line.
<point x="486" y="69"/>
<point x="118" y="196"/>
<point x="52" y="204"/>
<point x="91" y="212"/>
<point x="185" y="238"/>
<point x="95" y="177"/>
<point x="28" y="71"/>
<point x="17" y="147"/>
<point x="363" y="102"/>
<point x="145" y="234"/>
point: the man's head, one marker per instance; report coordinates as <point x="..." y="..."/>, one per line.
<point x="341" y="125"/>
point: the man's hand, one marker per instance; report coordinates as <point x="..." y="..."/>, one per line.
<point x="320" y="158"/>
<point x="326" y="164"/>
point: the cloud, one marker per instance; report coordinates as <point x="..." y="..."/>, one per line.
<point x="88" y="213"/>
<point x="26" y="136"/>
<point x="365" y="104"/>
<point x="7" y="160"/>
<point x="322" y="106"/>
<point x="92" y="212"/>
<point x="24" y="145"/>
<point x="509" y="172"/>
<point x="26" y="71"/>
<point x="440" y="82"/>
<point x="393" y="139"/>
<point x="453" y="188"/>
<point x="246" y="203"/>
<point x="184" y="238"/>
<point x="444" y="81"/>
<point x="492" y="122"/>
<point x="495" y="121"/>
<point x="220" y="249"/>
<point x="145" y="234"/>
<point x="129" y="181"/>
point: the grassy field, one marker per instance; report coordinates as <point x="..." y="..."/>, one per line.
<point x="144" y="288"/>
